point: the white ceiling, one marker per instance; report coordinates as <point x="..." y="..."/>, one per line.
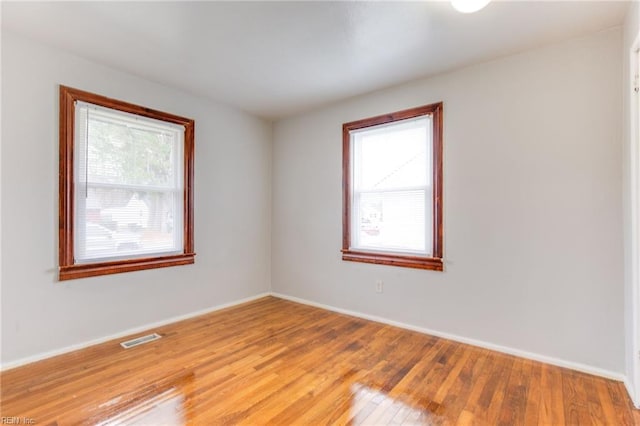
<point x="275" y="59"/>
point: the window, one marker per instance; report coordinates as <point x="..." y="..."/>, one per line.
<point x="392" y="189"/>
<point x="126" y="178"/>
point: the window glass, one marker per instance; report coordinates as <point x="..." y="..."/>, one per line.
<point x="128" y="185"/>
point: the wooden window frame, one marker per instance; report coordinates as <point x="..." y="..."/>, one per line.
<point x="434" y="262"/>
<point x="68" y="269"/>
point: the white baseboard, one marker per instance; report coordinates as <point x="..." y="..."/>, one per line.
<point x="499" y="348"/>
<point x="632" y="393"/>
<point x="55" y="352"/>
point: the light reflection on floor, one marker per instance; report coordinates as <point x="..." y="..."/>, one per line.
<point x="165" y="403"/>
<point x="163" y="409"/>
<point x="168" y="403"/>
<point x="373" y="407"/>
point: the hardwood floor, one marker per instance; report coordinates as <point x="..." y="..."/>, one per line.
<point x="273" y="361"/>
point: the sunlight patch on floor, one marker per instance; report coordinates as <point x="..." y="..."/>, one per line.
<point x="373" y="407"/>
<point x="166" y="408"/>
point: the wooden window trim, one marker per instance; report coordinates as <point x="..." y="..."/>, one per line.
<point x="434" y="262"/>
<point x="68" y="269"/>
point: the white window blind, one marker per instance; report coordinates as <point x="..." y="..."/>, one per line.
<point x="128" y="185"/>
<point x="391" y="204"/>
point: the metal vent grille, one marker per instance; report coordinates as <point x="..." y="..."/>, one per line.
<point x="140" y="340"/>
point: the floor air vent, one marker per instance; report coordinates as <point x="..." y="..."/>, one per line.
<point x="140" y="340"/>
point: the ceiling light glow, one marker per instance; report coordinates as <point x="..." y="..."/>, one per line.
<point x="469" y="6"/>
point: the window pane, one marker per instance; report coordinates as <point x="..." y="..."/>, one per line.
<point x="124" y="223"/>
<point x="123" y="150"/>
<point x="128" y="190"/>
<point x="393" y="156"/>
<point x="393" y="221"/>
<point x="392" y="174"/>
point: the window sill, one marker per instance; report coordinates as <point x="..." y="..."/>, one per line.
<point x="106" y="268"/>
<point x="430" y="263"/>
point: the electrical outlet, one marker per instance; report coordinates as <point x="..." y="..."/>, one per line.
<point x="379" y="286"/>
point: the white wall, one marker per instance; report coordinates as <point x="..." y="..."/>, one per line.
<point x="532" y="206"/>
<point x="629" y="163"/>
<point x="232" y="209"/>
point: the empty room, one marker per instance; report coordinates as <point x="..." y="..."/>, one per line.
<point x="314" y="212"/>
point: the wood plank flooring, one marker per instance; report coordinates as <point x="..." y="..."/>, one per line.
<point x="276" y="362"/>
